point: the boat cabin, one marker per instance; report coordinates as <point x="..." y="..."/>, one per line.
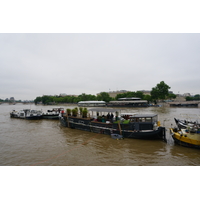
<point x="153" y="118"/>
<point x="145" y="121"/>
<point x="137" y="103"/>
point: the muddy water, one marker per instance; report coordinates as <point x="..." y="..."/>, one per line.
<point x="46" y="143"/>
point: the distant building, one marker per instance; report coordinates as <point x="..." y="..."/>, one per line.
<point x="145" y="92"/>
<point x="148" y="92"/>
<point x="186" y="95"/>
<point x="63" y="95"/>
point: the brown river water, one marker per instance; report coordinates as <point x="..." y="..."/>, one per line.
<point x="47" y="143"/>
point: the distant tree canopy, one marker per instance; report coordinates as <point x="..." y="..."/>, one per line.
<point x="148" y="98"/>
<point x="87" y="97"/>
<point x="171" y="96"/>
<point x="130" y="94"/>
<point x="71" y="99"/>
<point x="161" y="91"/>
<point x="194" y="98"/>
<point x="104" y="96"/>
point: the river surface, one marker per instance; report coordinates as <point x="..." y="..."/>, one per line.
<point x="47" y="143"/>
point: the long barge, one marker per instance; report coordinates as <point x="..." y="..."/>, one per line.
<point x="138" y="126"/>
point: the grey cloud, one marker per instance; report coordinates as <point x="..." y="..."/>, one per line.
<point x="36" y="64"/>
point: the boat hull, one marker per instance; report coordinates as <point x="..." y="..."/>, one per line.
<point x="25" y="117"/>
<point x="26" y="114"/>
<point x="185" y="144"/>
<point x="50" y="116"/>
<point x="181" y="137"/>
<point x="109" y="128"/>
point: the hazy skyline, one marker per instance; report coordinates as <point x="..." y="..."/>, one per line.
<point x="49" y="64"/>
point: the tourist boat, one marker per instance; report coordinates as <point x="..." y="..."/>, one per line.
<point x="185" y="137"/>
<point x="26" y="114"/>
<point x="183" y="124"/>
<point x="91" y="103"/>
<point x="52" y="114"/>
<point x="138" y="126"/>
<point x="135" y="103"/>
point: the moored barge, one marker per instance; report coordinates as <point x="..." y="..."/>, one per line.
<point x="138" y="126"/>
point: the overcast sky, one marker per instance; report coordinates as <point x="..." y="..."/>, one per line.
<point x="77" y="47"/>
<point x="37" y="64"/>
<point x="33" y="65"/>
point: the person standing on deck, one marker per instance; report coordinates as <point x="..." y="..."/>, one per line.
<point x="108" y="116"/>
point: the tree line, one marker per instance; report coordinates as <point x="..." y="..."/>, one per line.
<point x="103" y="96"/>
<point x="194" y="98"/>
<point x="159" y="92"/>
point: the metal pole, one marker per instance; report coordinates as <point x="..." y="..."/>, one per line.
<point x="120" y="130"/>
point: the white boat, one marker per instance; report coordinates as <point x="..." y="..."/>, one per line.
<point x="26" y="114"/>
<point x="52" y="114"/>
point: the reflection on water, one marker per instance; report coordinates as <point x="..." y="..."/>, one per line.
<point x="45" y="142"/>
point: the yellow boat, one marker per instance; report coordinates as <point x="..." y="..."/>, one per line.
<point x="186" y="138"/>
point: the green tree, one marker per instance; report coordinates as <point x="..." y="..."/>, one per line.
<point x="37" y="100"/>
<point x="148" y="98"/>
<point x="139" y="94"/>
<point x="172" y="96"/>
<point x="104" y="96"/>
<point x="130" y="94"/>
<point x="161" y="91"/>
<point x="118" y="96"/>
<point x="189" y="98"/>
<point x="47" y="99"/>
<point x="83" y="97"/>
<point x="197" y="97"/>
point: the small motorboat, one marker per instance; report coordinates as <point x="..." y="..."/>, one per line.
<point x="52" y="114"/>
<point x="26" y="114"/>
<point x="117" y="136"/>
<point x="186" y="137"/>
<point x="185" y="123"/>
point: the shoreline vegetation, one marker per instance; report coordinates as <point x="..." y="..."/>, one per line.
<point x="158" y="93"/>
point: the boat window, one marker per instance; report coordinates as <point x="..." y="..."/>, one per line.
<point x="148" y="119"/>
<point x="136" y="120"/>
<point x="143" y="119"/>
<point x="155" y="119"/>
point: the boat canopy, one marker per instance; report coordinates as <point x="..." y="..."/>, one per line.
<point x="129" y="114"/>
<point x="129" y="98"/>
<point x="91" y="102"/>
<point x="144" y="118"/>
<point x="123" y="102"/>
